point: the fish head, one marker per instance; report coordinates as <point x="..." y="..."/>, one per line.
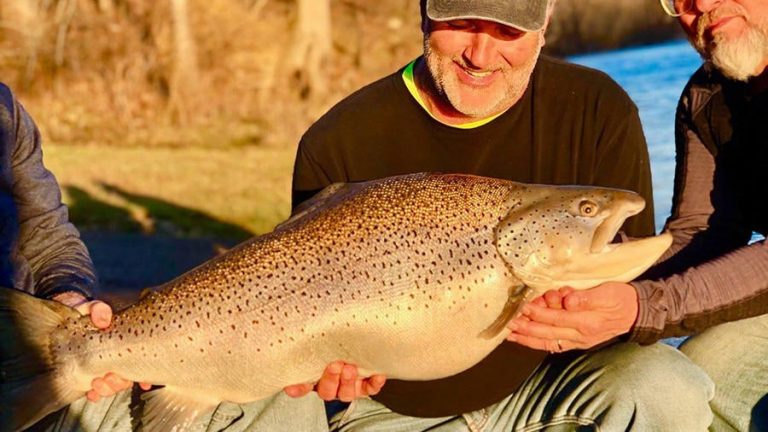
<point x="555" y="236"/>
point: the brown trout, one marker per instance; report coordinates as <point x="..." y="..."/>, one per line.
<point x="381" y="274"/>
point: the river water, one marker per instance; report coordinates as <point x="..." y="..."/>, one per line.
<point x="654" y="77"/>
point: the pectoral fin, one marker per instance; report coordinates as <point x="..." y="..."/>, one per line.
<point x="173" y="409"/>
<point x="518" y="296"/>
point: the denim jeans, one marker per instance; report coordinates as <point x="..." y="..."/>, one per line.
<point x="618" y="388"/>
<point x="621" y="387"/>
<point x="735" y="356"/>
<point x="279" y="413"/>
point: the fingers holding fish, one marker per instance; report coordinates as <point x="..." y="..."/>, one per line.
<point x="589" y="317"/>
<point x="101" y="317"/>
<point x="348" y="383"/>
<point x="107" y="386"/>
<point x="299" y="390"/>
<point x="552" y="299"/>
<point x="100" y="312"/>
<point x="372" y="385"/>
<point x="340" y="381"/>
<point x="545" y="337"/>
<point x="328" y="385"/>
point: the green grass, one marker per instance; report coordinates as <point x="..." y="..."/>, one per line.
<point x="233" y="192"/>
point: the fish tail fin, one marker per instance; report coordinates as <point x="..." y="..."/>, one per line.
<point x="31" y="385"/>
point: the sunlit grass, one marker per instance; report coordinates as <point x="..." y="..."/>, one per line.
<point x="228" y="192"/>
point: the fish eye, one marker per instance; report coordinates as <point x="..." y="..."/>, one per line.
<point x="587" y="208"/>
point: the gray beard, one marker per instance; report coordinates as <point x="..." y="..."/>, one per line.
<point x="741" y="59"/>
<point x="517" y="82"/>
<point x="738" y="59"/>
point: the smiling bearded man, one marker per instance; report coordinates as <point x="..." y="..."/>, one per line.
<point x="713" y="282"/>
<point x="479" y="90"/>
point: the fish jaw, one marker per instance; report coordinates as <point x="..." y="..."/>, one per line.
<point x="621" y="262"/>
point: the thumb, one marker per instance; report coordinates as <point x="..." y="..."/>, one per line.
<point x="100" y="312"/>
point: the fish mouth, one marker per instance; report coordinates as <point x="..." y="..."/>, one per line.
<point x="605" y="261"/>
<point x="616" y="262"/>
<point x="606" y="231"/>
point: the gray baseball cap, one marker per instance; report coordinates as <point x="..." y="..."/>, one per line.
<point x="526" y="15"/>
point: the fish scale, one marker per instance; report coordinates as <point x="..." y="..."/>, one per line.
<point x="411" y="276"/>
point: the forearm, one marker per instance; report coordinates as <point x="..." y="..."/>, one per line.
<point x="733" y="286"/>
<point x="58" y="260"/>
<point x="705" y="220"/>
<point x="62" y="265"/>
<point x="710" y="275"/>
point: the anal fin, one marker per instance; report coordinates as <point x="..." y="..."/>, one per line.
<point x="518" y="296"/>
<point x="171" y="409"/>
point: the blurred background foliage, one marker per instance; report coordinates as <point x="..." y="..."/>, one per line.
<point x="236" y="72"/>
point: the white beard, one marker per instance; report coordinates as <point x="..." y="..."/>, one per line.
<point x="741" y="59"/>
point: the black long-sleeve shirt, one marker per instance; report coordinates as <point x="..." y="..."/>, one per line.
<point x="711" y="275"/>
<point x="573" y="125"/>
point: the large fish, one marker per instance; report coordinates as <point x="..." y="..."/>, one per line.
<point x="381" y="274"/>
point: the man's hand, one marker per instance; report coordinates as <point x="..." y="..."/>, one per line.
<point x="340" y="381"/>
<point x="567" y="319"/>
<point x="101" y="317"/>
<point x="100" y="312"/>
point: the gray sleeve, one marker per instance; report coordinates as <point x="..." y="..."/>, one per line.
<point x="58" y="259"/>
<point x="709" y="276"/>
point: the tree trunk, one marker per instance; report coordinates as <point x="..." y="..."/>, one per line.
<point x="312" y="46"/>
<point x="23" y="17"/>
<point x="185" y="78"/>
<point x="65" y="13"/>
<point x="106" y="7"/>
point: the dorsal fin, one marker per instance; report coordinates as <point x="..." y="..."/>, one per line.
<point x="332" y="193"/>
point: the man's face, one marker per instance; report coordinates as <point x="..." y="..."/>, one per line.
<point x="733" y="34"/>
<point x="480" y="67"/>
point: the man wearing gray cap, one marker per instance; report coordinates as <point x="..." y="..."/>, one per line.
<point x="481" y="100"/>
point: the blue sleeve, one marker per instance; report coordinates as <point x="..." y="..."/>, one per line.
<point x="46" y="253"/>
